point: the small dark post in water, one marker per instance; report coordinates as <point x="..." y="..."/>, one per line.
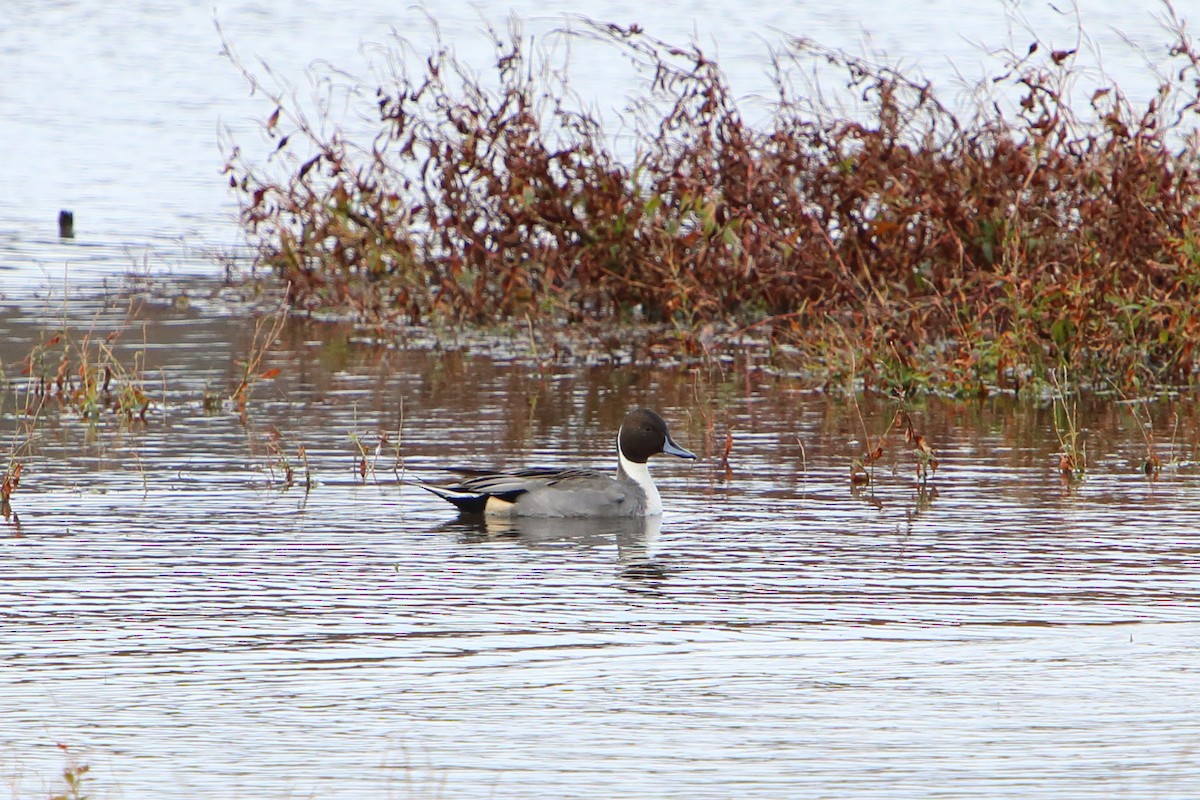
<point x="66" y="224"/>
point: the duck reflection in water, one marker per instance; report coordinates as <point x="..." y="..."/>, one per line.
<point x="635" y="536"/>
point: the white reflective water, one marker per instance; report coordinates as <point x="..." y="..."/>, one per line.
<point x="118" y="111"/>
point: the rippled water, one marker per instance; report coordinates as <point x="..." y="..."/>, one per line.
<point x="190" y="626"/>
<point x="180" y="619"/>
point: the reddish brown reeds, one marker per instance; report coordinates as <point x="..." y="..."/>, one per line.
<point x="942" y="251"/>
<point x="82" y="372"/>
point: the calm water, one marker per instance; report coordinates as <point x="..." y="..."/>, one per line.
<point x="118" y="111"/>
<point x="189" y="626"/>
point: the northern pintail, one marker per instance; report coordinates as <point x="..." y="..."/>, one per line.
<point x="543" y="492"/>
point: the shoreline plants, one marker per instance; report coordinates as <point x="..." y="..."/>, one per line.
<point x="935" y="249"/>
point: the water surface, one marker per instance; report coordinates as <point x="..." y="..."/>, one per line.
<point x="125" y="113"/>
<point x="189" y="624"/>
<point x="179" y="617"/>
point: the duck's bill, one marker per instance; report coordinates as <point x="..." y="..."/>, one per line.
<point x="672" y="449"/>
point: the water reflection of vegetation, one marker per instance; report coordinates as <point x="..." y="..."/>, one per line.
<point x="72" y="372"/>
<point x="102" y="379"/>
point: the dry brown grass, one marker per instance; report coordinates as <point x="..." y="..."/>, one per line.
<point x="928" y="249"/>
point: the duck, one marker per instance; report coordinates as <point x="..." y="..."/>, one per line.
<point x="548" y="492"/>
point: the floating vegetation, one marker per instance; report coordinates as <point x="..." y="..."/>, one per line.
<point x="927" y="462"/>
<point x="281" y="468"/>
<point x="1072" y="455"/>
<point x="862" y="466"/>
<point x="98" y="379"/>
<point x="81" y="373"/>
<point x="266" y="332"/>
<point x="73" y="775"/>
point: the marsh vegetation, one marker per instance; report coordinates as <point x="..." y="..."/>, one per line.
<point x="875" y="231"/>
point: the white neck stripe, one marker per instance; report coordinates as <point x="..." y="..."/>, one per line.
<point x="640" y="474"/>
